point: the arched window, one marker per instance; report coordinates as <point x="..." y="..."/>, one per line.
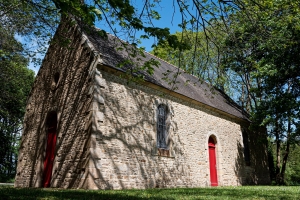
<point x="56" y="78"/>
<point x="162" y="134"/>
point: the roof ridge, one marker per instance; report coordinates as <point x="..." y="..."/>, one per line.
<point x="113" y="35"/>
<point x="144" y="50"/>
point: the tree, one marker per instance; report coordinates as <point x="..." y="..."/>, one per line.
<point x="33" y="20"/>
<point x="200" y="58"/>
<point x="293" y="166"/>
<point x="264" y="47"/>
<point x="16" y="81"/>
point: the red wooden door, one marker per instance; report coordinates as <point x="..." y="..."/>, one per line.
<point x="50" y="150"/>
<point x="212" y="162"/>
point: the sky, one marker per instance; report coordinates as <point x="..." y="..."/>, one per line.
<point x="167" y="20"/>
<point x="32" y="45"/>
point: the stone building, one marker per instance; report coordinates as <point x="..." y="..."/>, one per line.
<point x="87" y="126"/>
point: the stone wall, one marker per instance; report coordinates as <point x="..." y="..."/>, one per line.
<point x="123" y="141"/>
<point x="61" y="86"/>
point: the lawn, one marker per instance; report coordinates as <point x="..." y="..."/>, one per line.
<point x="245" y="192"/>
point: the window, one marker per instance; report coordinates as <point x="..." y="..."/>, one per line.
<point x="162" y="134"/>
<point x="56" y="77"/>
<point x="55" y="80"/>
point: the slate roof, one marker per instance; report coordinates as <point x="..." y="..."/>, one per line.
<point x="186" y="84"/>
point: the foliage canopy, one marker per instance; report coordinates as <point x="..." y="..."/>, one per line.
<point x="16" y="81"/>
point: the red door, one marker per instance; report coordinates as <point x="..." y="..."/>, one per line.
<point x="50" y="150"/>
<point x="212" y="162"/>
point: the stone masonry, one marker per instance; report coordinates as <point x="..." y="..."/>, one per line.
<point x="123" y="144"/>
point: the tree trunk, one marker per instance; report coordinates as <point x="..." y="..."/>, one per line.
<point x="287" y="149"/>
<point x="284" y="161"/>
<point x="278" y="143"/>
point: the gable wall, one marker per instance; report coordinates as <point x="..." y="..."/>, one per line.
<point x="123" y="144"/>
<point x="71" y="100"/>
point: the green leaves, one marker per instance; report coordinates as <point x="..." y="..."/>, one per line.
<point x="16" y="81"/>
<point x="194" y="54"/>
<point x="264" y="46"/>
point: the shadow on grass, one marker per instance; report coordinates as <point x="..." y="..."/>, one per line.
<point x="9" y="193"/>
<point x="256" y="192"/>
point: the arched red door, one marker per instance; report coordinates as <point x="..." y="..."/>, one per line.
<point x="212" y="162"/>
<point x="50" y="150"/>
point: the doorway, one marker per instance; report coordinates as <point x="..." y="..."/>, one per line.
<point x="50" y="149"/>
<point x="212" y="162"/>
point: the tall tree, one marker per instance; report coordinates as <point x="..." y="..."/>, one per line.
<point x="265" y="47"/>
<point x="16" y="81"/>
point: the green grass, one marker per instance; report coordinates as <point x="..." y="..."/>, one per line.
<point x="245" y="192"/>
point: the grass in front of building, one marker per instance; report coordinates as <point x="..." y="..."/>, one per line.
<point x="244" y="192"/>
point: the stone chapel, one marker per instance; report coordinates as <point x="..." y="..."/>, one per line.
<point x="87" y="126"/>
